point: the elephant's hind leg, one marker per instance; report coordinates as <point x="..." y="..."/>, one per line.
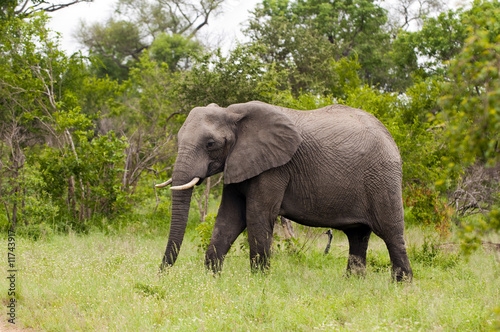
<point x="388" y="224"/>
<point x="392" y="234"/>
<point x="358" y="244"/>
<point x="401" y="269"/>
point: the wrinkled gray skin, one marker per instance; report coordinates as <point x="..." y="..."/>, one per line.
<point x="335" y="167"/>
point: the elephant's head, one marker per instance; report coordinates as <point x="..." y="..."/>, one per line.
<point x="242" y="141"/>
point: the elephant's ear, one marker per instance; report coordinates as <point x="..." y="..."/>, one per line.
<point x="265" y="138"/>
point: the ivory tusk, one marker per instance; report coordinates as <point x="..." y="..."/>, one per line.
<point x="187" y="185"/>
<point x="164" y="184"/>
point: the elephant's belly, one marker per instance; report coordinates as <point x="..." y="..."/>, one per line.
<point x="326" y="209"/>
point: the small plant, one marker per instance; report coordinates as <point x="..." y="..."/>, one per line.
<point x="432" y="254"/>
<point x="378" y="261"/>
<point x="288" y="244"/>
<point x="204" y="231"/>
<point x="244" y="244"/>
<point x="150" y="290"/>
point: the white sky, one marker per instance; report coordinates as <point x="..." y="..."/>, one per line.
<point x="222" y="30"/>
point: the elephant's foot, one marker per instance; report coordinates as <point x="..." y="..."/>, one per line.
<point x="400" y="274"/>
<point x="214" y="264"/>
<point x="401" y="268"/>
<point x="356" y="266"/>
<point x="259" y="263"/>
<point x="164" y="265"/>
<point x="161" y="268"/>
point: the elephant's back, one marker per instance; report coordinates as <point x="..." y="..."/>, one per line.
<point x="353" y="133"/>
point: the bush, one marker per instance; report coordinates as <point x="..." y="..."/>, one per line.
<point x="425" y="207"/>
<point x="378" y="261"/>
<point x="431" y="254"/>
<point x="204" y="232"/>
<point x="35" y="232"/>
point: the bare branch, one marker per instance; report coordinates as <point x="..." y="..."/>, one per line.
<point x="25" y="11"/>
<point x="476" y="190"/>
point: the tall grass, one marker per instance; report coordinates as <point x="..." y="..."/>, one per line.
<point x="97" y="282"/>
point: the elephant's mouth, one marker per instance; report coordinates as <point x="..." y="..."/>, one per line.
<point x="213" y="168"/>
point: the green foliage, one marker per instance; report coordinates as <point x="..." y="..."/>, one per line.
<point x="204" y="232"/>
<point x="35" y="189"/>
<point x="432" y="254"/>
<point x="474" y="229"/>
<point x="240" y="77"/>
<point x="117" y="45"/>
<point x="304" y="101"/>
<point x="88" y="136"/>
<point x="427" y="208"/>
<point x="166" y="28"/>
<point x="305" y="35"/>
<point x="84" y="176"/>
<point x="7" y="8"/>
<point x="471" y="100"/>
<point x="440" y="40"/>
<point x="148" y="99"/>
<point x="36" y="232"/>
<point x="51" y="137"/>
<point x="287" y="244"/>
<point x="174" y="49"/>
<point x="29" y="63"/>
<point x="418" y="136"/>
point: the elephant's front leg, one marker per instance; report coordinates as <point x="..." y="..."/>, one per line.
<point x="260" y="239"/>
<point x="264" y="195"/>
<point x="230" y="222"/>
<point x="260" y="219"/>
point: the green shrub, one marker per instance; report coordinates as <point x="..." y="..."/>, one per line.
<point x="288" y="244"/>
<point x="425" y="207"/>
<point x="204" y="232"/>
<point x="378" y="261"/>
<point x="431" y="254"/>
<point x="35" y="232"/>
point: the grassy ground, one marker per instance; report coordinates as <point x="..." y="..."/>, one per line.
<point x="97" y="282"/>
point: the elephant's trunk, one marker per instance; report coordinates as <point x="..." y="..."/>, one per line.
<point x="186" y="169"/>
<point x="180" y="209"/>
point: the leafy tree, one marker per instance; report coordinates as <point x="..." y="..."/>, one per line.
<point x="174" y="50"/>
<point x="305" y="33"/>
<point x="472" y="94"/>
<point x="29" y="63"/>
<point x="239" y="77"/>
<point x="148" y="116"/>
<point x="439" y="40"/>
<point x="116" y="45"/>
<point x="169" y="27"/>
<point x="46" y="140"/>
<point x="472" y="99"/>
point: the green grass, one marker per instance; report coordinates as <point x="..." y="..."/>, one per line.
<point x="97" y="282"/>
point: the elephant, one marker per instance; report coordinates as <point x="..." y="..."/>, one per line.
<point x="335" y="167"/>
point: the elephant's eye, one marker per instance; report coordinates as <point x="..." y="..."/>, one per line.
<point x="210" y="144"/>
